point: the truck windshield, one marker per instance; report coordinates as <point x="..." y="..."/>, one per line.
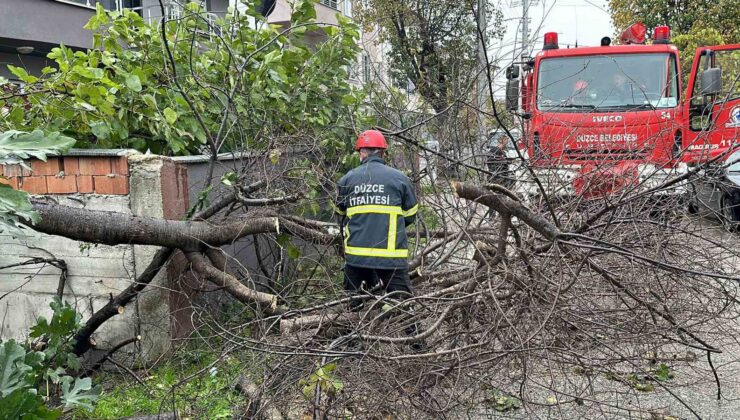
<point x="607" y="82"/>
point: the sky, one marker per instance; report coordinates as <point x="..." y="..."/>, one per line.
<point x="585" y="21"/>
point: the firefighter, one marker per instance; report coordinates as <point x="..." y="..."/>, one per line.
<point x="621" y="89"/>
<point x="497" y="161"/>
<point x="375" y="203"/>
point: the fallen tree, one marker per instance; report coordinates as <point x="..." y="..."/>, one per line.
<point x="554" y="305"/>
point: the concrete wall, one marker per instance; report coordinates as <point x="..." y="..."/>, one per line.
<point x="116" y="181"/>
<point x="45" y="21"/>
<point x="324" y="14"/>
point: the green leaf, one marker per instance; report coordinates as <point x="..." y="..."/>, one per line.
<point x="663" y="373"/>
<point x="133" y="82"/>
<point x="27" y="405"/>
<point x="349" y="100"/>
<point x="21" y="74"/>
<point x="14" y="208"/>
<point x="100" y="129"/>
<point x="150" y="101"/>
<point x="170" y="115"/>
<point x="82" y="394"/>
<point x="98" y="19"/>
<point x="64" y="321"/>
<point x="293" y="251"/>
<point x="303" y="11"/>
<point x="93" y="73"/>
<point x="13" y="370"/>
<point x="18" y="145"/>
<point x="229" y="178"/>
<point x="17" y="115"/>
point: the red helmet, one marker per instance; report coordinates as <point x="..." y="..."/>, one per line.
<point x="581" y="84"/>
<point x="371" y="139"/>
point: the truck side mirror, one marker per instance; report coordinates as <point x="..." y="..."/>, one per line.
<point x="512" y="72"/>
<point x="512" y="94"/>
<point x="711" y="81"/>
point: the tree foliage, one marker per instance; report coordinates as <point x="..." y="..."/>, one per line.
<point x="24" y="370"/>
<point x="433" y="44"/>
<point x="681" y="15"/>
<point x="693" y="23"/>
<point x="14" y="147"/>
<point x="212" y="85"/>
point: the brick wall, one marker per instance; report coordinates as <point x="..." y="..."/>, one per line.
<point x="120" y="181"/>
<point x="108" y="175"/>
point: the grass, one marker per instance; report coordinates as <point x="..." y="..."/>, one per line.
<point x="207" y="396"/>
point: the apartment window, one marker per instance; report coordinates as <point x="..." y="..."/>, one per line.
<point x="365" y="68"/>
<point x="330" y="3"/>
<point x="347" y="7"/>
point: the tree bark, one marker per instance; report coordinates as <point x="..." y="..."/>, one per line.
<point x="504" y="204"/>
<point x="233" y="286"/>
<point x="113" y="228"/>
<point x="115" y="305"/>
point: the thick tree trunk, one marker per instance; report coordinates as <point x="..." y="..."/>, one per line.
<point x="113" y="228"/>
<point x="115" y="306"/>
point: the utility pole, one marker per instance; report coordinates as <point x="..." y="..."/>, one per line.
<point x="526" y="4"/>
<point x="482" y="63"/>
<point x="525" y="27"/>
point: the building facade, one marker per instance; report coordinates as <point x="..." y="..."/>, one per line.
<point x="29" y="29"/>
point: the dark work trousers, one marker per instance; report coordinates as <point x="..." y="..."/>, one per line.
<point x="359" y="279"/>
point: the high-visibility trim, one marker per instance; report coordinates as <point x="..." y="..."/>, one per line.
<point x="376" y="252"/>
<point x="412" y="211"/>
<point x="390" y="251"/>
<point x="392" y="226"/>
<point x="346" y="236"/>
<point x="374" y="209"/>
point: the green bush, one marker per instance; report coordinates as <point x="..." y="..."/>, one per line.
<point x="37" y="379"/>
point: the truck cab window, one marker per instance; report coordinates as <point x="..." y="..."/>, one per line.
<point x="701" y="106"/>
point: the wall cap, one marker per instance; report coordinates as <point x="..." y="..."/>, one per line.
<point x="100" y="152"/>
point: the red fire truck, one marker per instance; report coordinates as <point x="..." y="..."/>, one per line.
<point x="711" y="131"/>
<point x="712" y="108"/>
<point x="601" y="119"/>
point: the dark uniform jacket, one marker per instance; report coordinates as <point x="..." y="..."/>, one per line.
<point x="377" y="203"/>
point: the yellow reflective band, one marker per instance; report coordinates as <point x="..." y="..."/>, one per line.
<point x="412" y="211"/>
<point x="390" y="251"/>
<point x="375" y="252"/>
<point x="374" y="209"/>
<point x="392" y="226"/>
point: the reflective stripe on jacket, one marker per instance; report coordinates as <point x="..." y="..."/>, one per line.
<point x="378" y="202"/>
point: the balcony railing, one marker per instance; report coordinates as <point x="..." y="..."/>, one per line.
<point x="172" y="11"/>
<point x="330" y="3"/>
